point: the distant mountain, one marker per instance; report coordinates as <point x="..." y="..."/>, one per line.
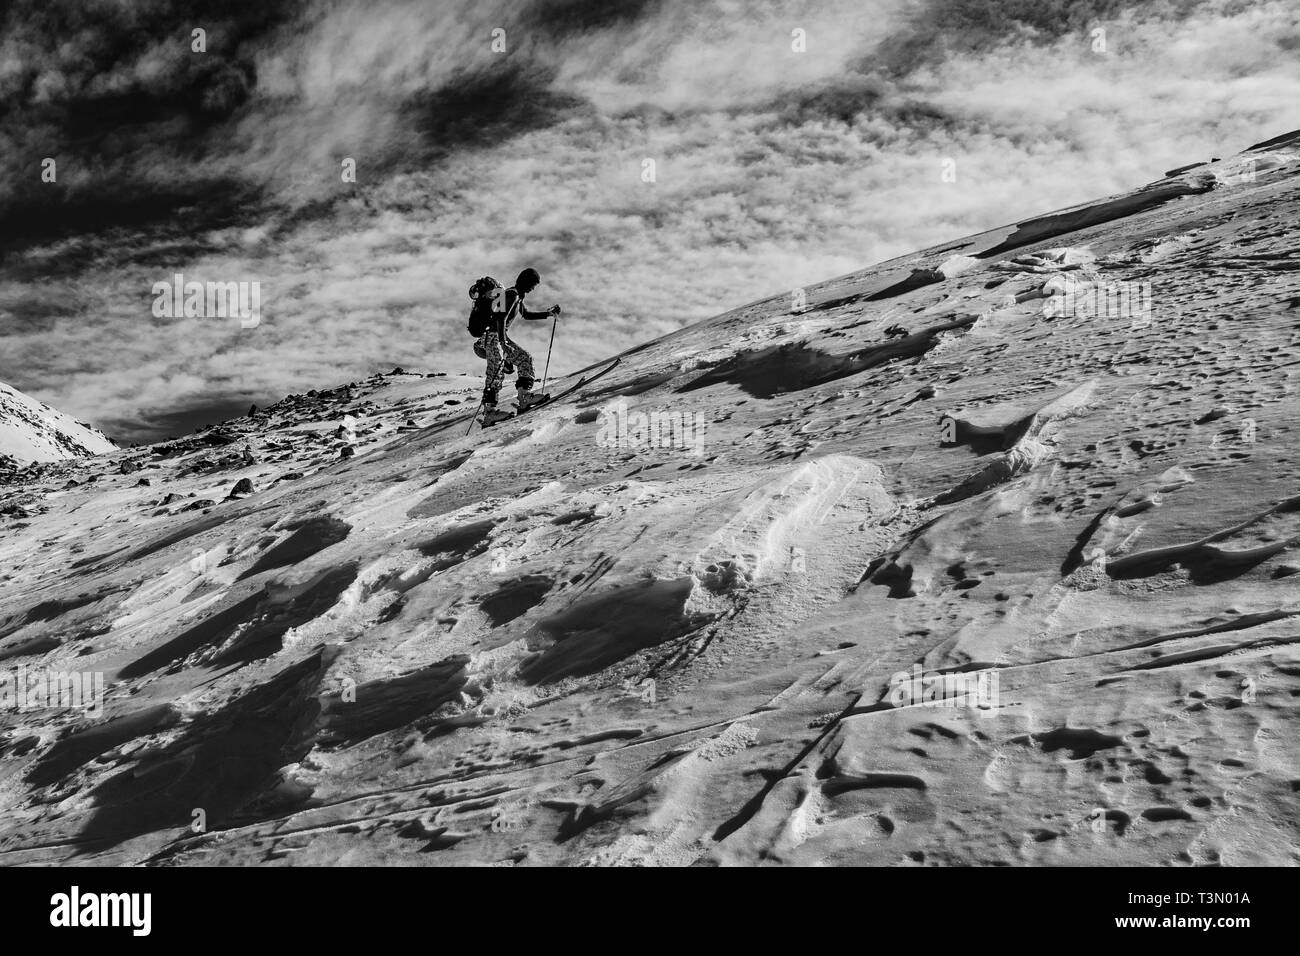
<point x="32" y="431"/>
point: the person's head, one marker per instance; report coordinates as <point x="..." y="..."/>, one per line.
<point x="528" y="281"/>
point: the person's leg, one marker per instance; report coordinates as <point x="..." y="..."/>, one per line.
<point x="495" y="369"/>
<point x="523" y="363"/>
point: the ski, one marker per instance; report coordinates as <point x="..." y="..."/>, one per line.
<point x="568" y="391"/>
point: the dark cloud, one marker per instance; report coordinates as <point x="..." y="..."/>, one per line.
<point x="563" y="18"/>
<point x="842" y="99"/>
<point x="489" y="107"/>
<point x="855" y="98"/>
<point x="131" y="205"/>
<point x="115" y="94"/>
<point x="26" y="310"/>
<point x="160" y="426"/>
<point x="68" y="54"/>
<point x="940" y="29"/>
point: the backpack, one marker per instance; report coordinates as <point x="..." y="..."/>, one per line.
<point x="484" y="292"/>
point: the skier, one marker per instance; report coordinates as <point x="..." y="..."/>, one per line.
<point x="501" y="353"/>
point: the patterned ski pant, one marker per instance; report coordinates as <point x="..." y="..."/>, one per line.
<point x="498" y="353"/>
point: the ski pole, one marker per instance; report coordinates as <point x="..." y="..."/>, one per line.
<point x="548" y="356"/>
<point x="475" y="418"/>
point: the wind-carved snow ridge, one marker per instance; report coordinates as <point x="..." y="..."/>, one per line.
<point x="952" y="572"/>
<point x="1028" y="437"/>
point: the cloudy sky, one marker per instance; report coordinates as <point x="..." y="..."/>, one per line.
<point x="774" y="168"/>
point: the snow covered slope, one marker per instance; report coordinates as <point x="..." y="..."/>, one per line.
<point x="32" y="431"/>
<point x="678" y="616"/>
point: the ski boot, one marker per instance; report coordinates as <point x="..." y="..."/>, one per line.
<point x="492" y="415"/>
<point x="527" y="398"/>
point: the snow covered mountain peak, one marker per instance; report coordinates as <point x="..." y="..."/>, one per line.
<point x="33" y="431"/>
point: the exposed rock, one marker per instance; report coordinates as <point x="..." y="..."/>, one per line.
<point x="243" y="488"/>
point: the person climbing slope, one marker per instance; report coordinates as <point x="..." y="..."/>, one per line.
<point x="501" y="353"/>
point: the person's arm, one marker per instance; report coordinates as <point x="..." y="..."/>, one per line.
<point x="532" y="316"/>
